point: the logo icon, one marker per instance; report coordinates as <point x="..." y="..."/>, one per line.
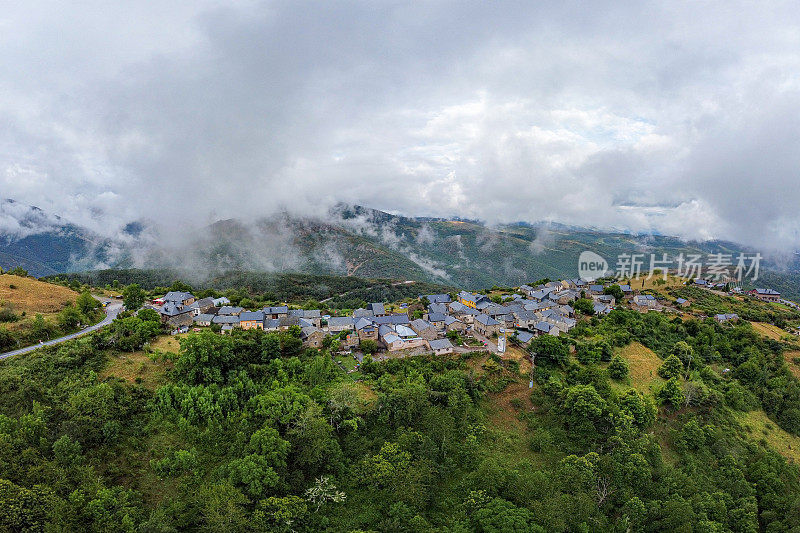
<point x="591" y="266"/>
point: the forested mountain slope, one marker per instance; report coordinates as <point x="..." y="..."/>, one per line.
<point x="350" y="241"/>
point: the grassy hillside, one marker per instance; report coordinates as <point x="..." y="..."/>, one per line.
<point x="33" y="310"/>
<point x="30" y="296"/>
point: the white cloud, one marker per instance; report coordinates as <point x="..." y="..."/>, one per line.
<point x="508" y="112"/>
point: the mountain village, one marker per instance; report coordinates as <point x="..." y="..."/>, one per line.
<point x="439" y="323"/>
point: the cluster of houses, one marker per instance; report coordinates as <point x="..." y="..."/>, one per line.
<point x="542" y="310"/>
<point x="763" y="294"/>
<point x="181" y="310"/>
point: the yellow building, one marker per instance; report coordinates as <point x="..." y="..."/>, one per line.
<point x="252" y="320"/>
<point x="468" y="299"/>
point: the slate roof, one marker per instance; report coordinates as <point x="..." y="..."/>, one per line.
<point x="252" y="315"/>
<point x="225" y="319"/>
<point x="203" y="302"/>
<point x="230" y="310"/>
<point x="309" y="330"/>
<point x="392" y="319"/>
<point x="458" y="307"/>
<point x="544" y="326"/>
<point x="437" y="308"/>
<point x="596" y="288"/>
<point x="486" y="320"/>
<point x="524" y="336"/>
<point x="177" y="296"/>
<point x="278" y="309"/>
<point x="450" y="320"/>
<point x="495" y="309"/>
<point x="549" y="313"/>
<point x="440" y="344"/>
<point x="725" y="317"/>
<point x="272" y="323"/>
<point x="420" y="324"/>
<point x="526" y="315"/>
<point x="681" y="300"/>
<point x="362" y="323"/>
<point x="205" y="317"/>
<point x="172" y="309"/>
<point x="341" y="321"/>
<point x="305" y="313"/>
<point x="437" y="298"/>
<point x="601" y="309"/>
<point x="436" y="317"/>
<point x="221" y="301"/>
<point x="293" y="321"/>
<point x="377" y="308"/>
<point x="565" y="320"/>
<point x="767" y="292"/>
<point x="359" y="313"/>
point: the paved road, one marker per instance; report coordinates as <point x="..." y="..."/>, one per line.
<point x="113" y="309"/>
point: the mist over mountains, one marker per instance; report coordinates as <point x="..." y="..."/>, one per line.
<point x="345" y="241"/>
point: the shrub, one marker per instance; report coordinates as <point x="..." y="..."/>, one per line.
<point x="618" y="368"/>
<point x="671" y="368"/>
<point x="7" y="314"/>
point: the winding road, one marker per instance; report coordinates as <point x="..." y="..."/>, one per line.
<point x="112" y="310"/>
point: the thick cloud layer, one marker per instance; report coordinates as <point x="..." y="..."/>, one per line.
<point x="680" y="118"/>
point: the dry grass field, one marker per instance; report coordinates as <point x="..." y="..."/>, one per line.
<point x="167" y="343"/>
<point x="769" y="331"/>
<point x="789" y="357"/>
<point x="139" y="367"/>
<point x="654" y="283"/>
<point x="759" y="426"/>
<point x="135" y="367"/>
<point x="644" y="364"/>
<point x="34" y="296"/>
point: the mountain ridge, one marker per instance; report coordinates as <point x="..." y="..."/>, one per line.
<point x="345" y="241"/>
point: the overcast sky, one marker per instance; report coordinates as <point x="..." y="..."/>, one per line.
<point x="682" y="118"/>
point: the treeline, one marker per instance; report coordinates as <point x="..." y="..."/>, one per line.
<point x="261" y="286"/>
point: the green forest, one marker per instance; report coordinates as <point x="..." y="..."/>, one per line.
<point x="265" y="288"/>
<point x="252" y="432"/>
